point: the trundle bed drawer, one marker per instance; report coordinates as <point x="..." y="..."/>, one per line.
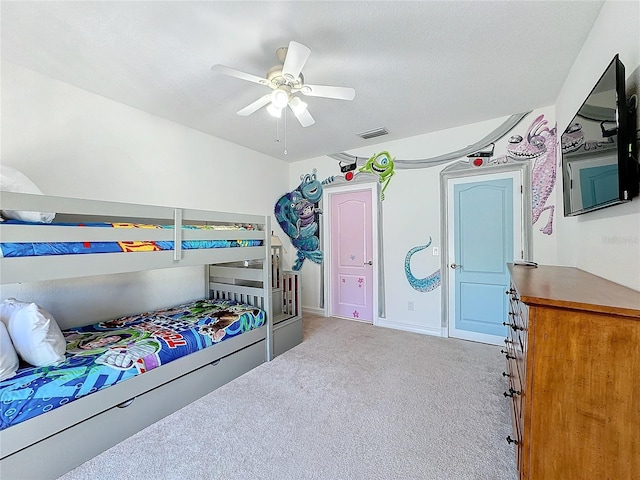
<point x="69" y="448"/>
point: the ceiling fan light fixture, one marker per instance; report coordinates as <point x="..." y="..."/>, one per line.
<point x="274" y="111"/>
<point x="297" y="105"/>
<point x="284" y="79"/>
<point x="279" y="98"/>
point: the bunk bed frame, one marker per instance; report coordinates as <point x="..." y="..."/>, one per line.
<point x="286" y="303"/>
<point x="40" y="447"/>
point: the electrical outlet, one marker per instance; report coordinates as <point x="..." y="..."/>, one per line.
<point x="410" y="306"/>
<point x="436" y="251"/>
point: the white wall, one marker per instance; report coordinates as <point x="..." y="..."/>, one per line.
<point x="411" y="213"/>
<point x="73" y="143"/>
<point x="605" y="242"/>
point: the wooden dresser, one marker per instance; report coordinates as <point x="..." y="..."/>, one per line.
<point x="573" y="365"/>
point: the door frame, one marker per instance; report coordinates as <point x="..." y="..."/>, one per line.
<point x="327" y="193"/>
<point x="476" y="174"/>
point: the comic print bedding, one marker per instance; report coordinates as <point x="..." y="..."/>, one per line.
<point x="73" y="248"/>
<point x="105" y="353"/>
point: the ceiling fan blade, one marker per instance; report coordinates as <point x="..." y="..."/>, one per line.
<point x="297" y="55"/>
<point x="231" y="72"/>
<point x="340" y="93"/>
<point x="303" y="116"/>
<point x="257" y="105"/>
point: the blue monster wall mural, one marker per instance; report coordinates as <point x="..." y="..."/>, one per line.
<point x="297" y="213"/>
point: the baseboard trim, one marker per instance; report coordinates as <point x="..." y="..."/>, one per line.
<point x="313" y="311"/>
<point x="382" y="322"/>
<point x="434" y="331"/>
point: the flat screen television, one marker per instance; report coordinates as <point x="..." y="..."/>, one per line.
<point x="599" y="150"/>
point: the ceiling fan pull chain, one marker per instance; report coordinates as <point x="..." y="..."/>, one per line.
<point x="285" y="132"/>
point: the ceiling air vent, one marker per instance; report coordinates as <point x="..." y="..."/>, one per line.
<point x="376" y="132"/>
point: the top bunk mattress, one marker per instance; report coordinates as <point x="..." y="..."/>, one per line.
<point x="94" y="237"/>
<point x="31" y="249"/>
<point x="103" y="354"/>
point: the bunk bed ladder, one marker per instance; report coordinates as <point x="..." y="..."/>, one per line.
<point x="286" y="289"/>
<point x="266" y="287"/>
<point x="246" y="284"/>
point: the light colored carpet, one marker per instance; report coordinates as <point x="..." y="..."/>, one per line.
<point x="352" y="401"/>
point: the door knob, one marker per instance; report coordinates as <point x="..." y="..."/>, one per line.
<point x="455" y="265"/>
<point x="370" y="262"/>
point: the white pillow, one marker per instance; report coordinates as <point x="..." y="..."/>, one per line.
<point x="8" y="357"/>
<point x="35" y="334"/>
<point x="11" y="180"/>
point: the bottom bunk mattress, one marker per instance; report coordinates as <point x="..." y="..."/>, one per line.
<point x="103" y="354"/>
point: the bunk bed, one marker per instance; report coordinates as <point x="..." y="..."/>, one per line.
<point x="147" y="238"/>
<point x="286" y="301"/>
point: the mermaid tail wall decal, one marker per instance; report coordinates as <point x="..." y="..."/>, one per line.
<point x="421" y="284"/>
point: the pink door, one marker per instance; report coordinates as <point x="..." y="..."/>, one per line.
<point x="352" y="255"/>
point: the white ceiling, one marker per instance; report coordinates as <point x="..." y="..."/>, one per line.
<point x="417" y="67"/>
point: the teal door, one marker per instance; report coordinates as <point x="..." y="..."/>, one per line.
<point x="485" y="227"/>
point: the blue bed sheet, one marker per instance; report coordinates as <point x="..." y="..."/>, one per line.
<point x="73" y="248"/>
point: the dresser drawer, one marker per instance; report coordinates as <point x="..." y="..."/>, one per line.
<point x="518" y="326"/>
<point x="513" y="394"/>
<point x="522" y="321"/>
<point x="515" y="379"/>
<point x="514" y="387"/>
<point x="516" y="343"/>
<point x="515" y="438"/>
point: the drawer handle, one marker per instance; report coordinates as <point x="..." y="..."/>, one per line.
<point x="216" y="362"/>
<point x="506" y="354"/>
<point x="508" y="341"/>
<point x="511" y="393"/>
<point x="126" y="403"/>
<point x="511" y="440"/>
<point x="515" y="327"/>
<point x="505" y="374"/>
<point x="513" y="293"/>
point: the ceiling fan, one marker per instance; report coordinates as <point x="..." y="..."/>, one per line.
<point x="285" y="80"/>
